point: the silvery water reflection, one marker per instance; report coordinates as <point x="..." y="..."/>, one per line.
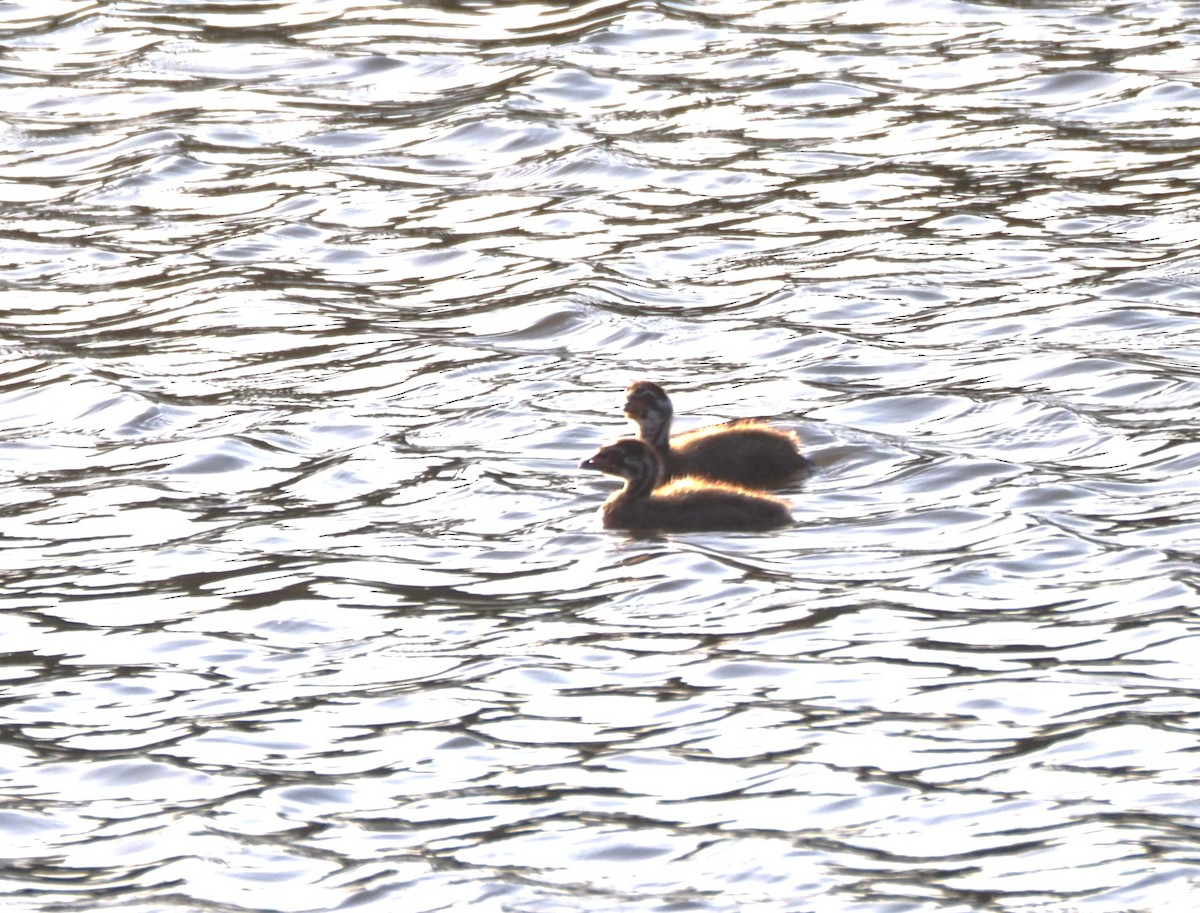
<point x="311" y="311"/>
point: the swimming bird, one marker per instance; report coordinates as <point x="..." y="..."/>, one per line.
<point x="683" y="505"/>
<point x="743" y="452"/>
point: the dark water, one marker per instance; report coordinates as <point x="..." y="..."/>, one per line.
<point x="310" y="311"/>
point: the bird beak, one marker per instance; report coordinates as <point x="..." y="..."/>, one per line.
<point x="597" y="462"/>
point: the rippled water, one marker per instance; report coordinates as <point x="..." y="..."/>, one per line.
<point x="311" y="310"/>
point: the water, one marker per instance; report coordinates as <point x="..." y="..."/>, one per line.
<point x="310" y="312"/>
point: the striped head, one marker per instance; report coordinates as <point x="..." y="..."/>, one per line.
<point x="632" y="460"/>
<point x="650" y="407"/>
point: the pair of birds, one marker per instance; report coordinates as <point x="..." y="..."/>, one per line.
<point x="699" y="480"/>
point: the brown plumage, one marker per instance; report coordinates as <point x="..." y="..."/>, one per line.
<point x="741" y="453"/>
<point x="685" y="505"/>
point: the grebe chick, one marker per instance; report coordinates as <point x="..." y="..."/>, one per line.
<point x="685" y="505"/>
<point x="741" y="453"/>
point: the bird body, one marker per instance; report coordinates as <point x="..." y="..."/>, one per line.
<point x="682" y="505"/>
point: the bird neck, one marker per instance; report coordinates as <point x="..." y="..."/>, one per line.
<point x="656" y="429"/>
<point x="643" y="478"/>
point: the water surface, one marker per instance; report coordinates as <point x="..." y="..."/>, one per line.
<point x="311" y="311"/>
